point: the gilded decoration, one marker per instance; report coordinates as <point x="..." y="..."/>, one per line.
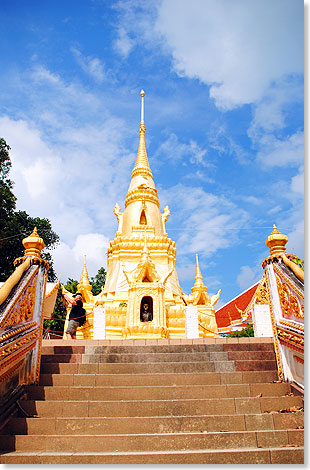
<point x="23" y="306"/>
<point x="296" y="326"/>
<point x="275" y="333"/>
<point x="13" y="280"/>
<point x="292" y="340"/>
<point x="37" y="371"/>
<point x="287" y="281"/>
<point x="290" y="304"/>
<point x="276" y="242"/>
<point x="19" y="343"/>
<point x="16" y="331"/>
<point x="262" y="294"/>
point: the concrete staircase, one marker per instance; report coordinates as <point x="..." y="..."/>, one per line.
<point x="205" y="401"/>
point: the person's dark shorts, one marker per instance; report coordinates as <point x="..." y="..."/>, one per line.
<point x="72" y="326"/>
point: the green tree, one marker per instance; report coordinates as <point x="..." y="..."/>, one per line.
<point x="16" y="225"/>
<point x="98" y="281"/>
<point x="71" y="285"/>
<point x="7" y="198"/>
<point x="57" y="322"/>
<point x="245" y="332"/>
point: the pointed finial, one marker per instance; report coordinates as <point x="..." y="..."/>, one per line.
<point x="198" y="272"/>
<point x="276" y="242"/>
<point x="142" y="127"/>
<point x="199" y="285"/>
<point x="33" y="244"/>
<point x="142" y="166"/>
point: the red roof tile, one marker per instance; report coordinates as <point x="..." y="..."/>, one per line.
<point x="242" y="301"/>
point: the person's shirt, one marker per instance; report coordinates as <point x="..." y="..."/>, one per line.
<point x="77" y="311"/>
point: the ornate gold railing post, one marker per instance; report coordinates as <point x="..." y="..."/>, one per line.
<point x="21" y="318"/>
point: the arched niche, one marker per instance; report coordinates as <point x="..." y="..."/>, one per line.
<point x="143" y="219"/>
<point x="146" y="313"/>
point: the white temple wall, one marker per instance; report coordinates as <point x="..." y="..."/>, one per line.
<point x="191" y="322"/>
<point x="262" y="321"/>
<point x="99" y="331"/>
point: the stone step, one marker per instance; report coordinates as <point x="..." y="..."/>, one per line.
<point x="203" y="345"/>
<point x="153" y="442"/>
<point x="95" y="349"/>
<point x="155" y="358"/>
<point x="160" y="357"/>
<point x="275" y="455"/>
<point x="155" y="392"/>
<point x="155" y="367"/>
<point x="203" y="378"/>
<point x="176" y="407"/>
<point x="138" y="368"/>
<point x="177" y="348"/>
<point x="168" y="349"/>
<point x="141" y="358"/>
<point x="154" y="424"/>
<point x="251" y="355"/>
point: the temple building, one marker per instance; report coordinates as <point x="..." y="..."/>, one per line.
<point x="142" y="297"/>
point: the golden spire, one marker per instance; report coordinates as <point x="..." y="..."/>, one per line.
<point x="33" y="244"/>
<point x="84" y="283"/>
<point x="142" y="166"/>
<point x="276" y="242"/>
<point x="199" y="285"/>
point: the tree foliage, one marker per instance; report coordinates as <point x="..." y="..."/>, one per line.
<point x="7" y="198"/>
<point x="245" y="332"/>
<point x="53" y="324"/>
<point x="98" y="281"/>
<point x="16" y="225"/>
<point x="71" y="285"/>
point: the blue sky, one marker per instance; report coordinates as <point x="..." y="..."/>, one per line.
<point x="223" y="113"/>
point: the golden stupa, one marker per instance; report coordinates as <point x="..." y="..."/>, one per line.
<point x="142" y="297"/>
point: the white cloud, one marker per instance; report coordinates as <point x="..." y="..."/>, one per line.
<point x="176" y="151"/>
<point x="90" y="65"/>
<point x="203" y="222"/>
<point x="275" y="210"/>
<point x="67" y="170"/>
<point x="42" y="74"/>
<point x="248" y="276"/>
<point x="295" y="242"/>
<point x="123" y="44"/>
<point x="281" y="153"/>
<point x="68" y="260"/>
<point x="252" y="200"/>
<point x="223" y="144"/>
<point x="270" y="113"/>
<point x="297" y="184"/>
<point x="236" y="47"/>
